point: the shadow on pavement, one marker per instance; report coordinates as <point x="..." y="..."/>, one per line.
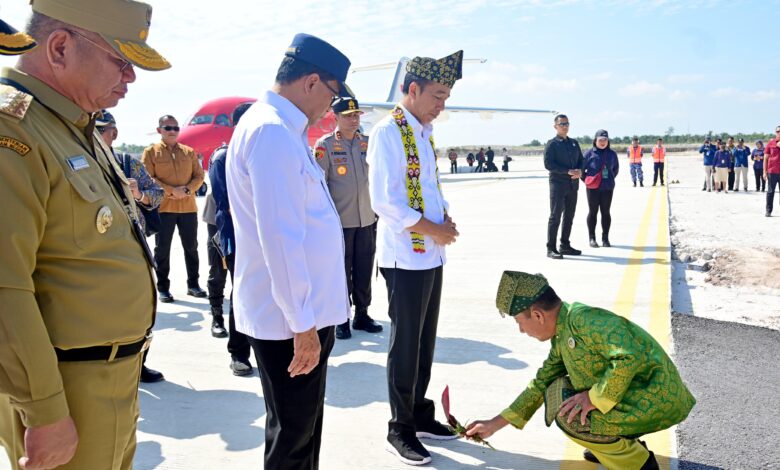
<point x="484" y="457"/>
<point x="148" y="455"/>
<point x="179" y="321"/>
<point x="448" y="350"/>
<point x="169" y="409"/>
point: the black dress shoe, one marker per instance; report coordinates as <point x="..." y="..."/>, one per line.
<point x="588" y="455"/>
<point x="218" y="327"/>
<point x="342" y="331"/>
<point x="641" y="184"/>
<point x="593" y="243"/>
<point x="165" y="297"/>
<point x="197" y="292"/>
<point x="605" y="243"/>
<point x="363" y="322"/>
<point x="568" y="250"/>
<point x="554" y="254"/>
<point x="240" y="367"/>
<point x="150" y="375"/>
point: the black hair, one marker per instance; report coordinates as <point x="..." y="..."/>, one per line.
<point x="548" y="300"/>
<point x="239" y="111"/>
<point x="291" y="69"/>
<point x="165" y="118"/>
<point x="409" y="78"/>
<point x="559" y="116"/>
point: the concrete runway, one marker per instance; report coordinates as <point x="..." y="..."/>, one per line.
<point x="202" y="417"/>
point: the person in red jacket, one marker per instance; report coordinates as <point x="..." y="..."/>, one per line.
<point x="772" y="169"/>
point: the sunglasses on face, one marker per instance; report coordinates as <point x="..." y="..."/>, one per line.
<point x="103" y="130"/>
<point x="170" y="128"/>
<point x="563" y="124"/>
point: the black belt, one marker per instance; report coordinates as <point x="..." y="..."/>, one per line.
<point x="102" y="353"/>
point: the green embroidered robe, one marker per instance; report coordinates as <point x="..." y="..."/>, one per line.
<point x="631" y="381"/>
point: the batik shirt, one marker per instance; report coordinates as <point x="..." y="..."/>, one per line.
<point x="631" y="381"/>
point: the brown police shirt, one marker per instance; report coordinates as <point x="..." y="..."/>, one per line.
<point x="171" y="168"/>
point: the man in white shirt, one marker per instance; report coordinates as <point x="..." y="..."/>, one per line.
<point x="288" y="245"/>
<point x="413" y="229"/>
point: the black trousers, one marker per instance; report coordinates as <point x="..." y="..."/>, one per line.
<point x="453" y="166"/>
<point x="773" y="179"/>
<point x="563" y="202"/>
<point x="731" y="179"/>
<point x="413" y="298"/>
<point x="479" y="167"/>
<point x="294" y="405"/>
<point x="359" y="250"/>
<point x="238" y="343"/>
<point x="658" y="169"/>
<point x="760" y="183"/>
<point x="188" y="233"/>
<point x="599" y="201"/>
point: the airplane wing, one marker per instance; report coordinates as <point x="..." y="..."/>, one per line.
<point x="368" y="106"/>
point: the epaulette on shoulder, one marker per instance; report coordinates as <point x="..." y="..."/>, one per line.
<point x="14" y="103"/>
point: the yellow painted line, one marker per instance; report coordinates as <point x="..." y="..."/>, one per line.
<point x="662" y="443"/>
<point x="624" y="305"/>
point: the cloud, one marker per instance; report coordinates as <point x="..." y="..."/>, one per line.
<point x="600" y="76"/>
<point x="746" y="96"/>
<point x="641" y="88"/>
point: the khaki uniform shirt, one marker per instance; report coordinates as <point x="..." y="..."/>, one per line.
<point x="63" y="283"/>
<point x="346" y="173"/>
<point x="171" y="169"/>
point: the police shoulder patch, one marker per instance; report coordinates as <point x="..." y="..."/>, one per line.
<point x="17" y="146"/>
<point x="14" y="103"/>
<point x="319" y="153"/>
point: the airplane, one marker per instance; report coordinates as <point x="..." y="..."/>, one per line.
<point x="212" y="124"/>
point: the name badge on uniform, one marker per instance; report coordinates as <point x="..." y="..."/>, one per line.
<point x="77" y="163"/>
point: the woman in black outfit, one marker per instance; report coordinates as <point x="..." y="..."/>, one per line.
<point x="600" y="167"/>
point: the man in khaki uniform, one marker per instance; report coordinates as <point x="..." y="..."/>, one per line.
<point x="342" y="155"/>
<point x="177" y="170"/>
<point x="76" y="283"/>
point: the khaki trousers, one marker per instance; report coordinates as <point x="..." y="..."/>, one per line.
<point x="625" y="454"/>
<point x="721" y="176"/>
<point x="103" y="401"/>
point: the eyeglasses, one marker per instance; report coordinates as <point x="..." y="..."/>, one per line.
<point x="122" y="67"/>
<point x="563" y="124"/>
<point x="335" y="93"/>
<point x="170" y="128"/>
<point x="103" y="129"/>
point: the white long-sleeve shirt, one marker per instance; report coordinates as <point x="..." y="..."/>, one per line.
<point x="387" y="184"/>
<point x="289" y="243"/>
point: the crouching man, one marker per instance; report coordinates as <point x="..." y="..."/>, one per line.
<point x="605" y="383"/>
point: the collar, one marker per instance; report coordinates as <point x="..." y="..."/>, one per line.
<point x="287" y="110"/>
<point x="424" y="130"/>
<point x="337" y="134"/>
<point x="49" y="97"/>
<point x="172" y="148"/>
<point x="563" y="317"/>
<point x="561" y="139"/>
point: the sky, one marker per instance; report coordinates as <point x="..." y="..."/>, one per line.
<point x="631" y="66"/>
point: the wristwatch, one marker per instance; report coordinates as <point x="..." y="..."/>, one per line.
<point x="187" y="191"/>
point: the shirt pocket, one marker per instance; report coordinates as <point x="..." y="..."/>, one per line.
<point x="93" y="205"/>
<point x="317" y="196"/>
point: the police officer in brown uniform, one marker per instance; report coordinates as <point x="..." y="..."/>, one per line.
<point x="76" y="279"/>
<point x="342" y="155"/>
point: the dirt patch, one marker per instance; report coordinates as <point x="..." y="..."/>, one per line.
<point x="746" y="267"/>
